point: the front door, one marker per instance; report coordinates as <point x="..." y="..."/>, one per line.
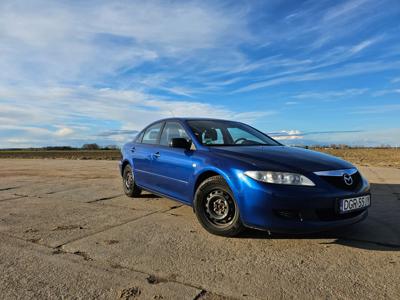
<point x="174" y="166"/>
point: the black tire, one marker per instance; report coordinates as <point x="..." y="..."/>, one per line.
<point x="216" y="208"/>
<point x="128" y="183"/>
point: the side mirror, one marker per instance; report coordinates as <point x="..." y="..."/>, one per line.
<point x="180" y="143"/>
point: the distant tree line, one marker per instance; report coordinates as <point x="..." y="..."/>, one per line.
<point x="92" y="146"/>
<point x="97" y="147"/>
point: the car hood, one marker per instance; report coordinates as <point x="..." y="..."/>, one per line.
<point x="283" y="158"/>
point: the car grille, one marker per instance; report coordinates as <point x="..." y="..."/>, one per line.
<point x="339" y="182"/>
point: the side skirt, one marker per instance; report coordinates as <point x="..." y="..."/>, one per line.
<point x="165" y="196"/>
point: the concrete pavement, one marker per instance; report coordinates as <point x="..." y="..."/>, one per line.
<point x="67" y="231"/>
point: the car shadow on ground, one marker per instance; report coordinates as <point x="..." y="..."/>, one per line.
<point x="379" y="232"/>
<point x="148" y="195"/>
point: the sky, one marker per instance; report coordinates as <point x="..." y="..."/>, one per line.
<point x="306" y="72"/>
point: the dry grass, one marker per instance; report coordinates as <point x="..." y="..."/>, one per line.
<point x="62" y="154"/>
<point x="377" y="157"/>
<point x="362" y="157"/>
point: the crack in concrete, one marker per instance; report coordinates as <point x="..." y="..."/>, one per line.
<point x="105" y="198"/>
<point x="111" y="227"/>
<point x="59" y="250"/>
<point x="83" y="254"/>
<point x="8" y="188"/>
<point x="200" y="295"/>
<point x="115" y="206"/>
<point x="15" y="198"/>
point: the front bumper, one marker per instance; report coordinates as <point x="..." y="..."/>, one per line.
<point x="296" y="209"/>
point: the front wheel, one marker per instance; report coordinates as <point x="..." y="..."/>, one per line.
<point x="216" y="208"/>
<point x="128" y="183"/>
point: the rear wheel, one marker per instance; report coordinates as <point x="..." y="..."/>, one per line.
<point x="216" y="208"/>
<point x="128" y="183"/>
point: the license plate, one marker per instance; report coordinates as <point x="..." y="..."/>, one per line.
<point x="351" y="204"/>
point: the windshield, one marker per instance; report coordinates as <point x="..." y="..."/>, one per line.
<point x="226" y="133"/>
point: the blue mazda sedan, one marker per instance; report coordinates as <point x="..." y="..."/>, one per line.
<point x="235" y="176"/>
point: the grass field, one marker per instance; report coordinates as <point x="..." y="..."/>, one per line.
<point x="379" y="157"/>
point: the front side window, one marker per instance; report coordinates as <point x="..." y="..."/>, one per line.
<point x="151" y="134"/>
<point x="172" y="130"/>
<point x="226" y="133"/>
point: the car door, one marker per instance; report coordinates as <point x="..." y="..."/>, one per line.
<point x="143" y="153"/>
<point x="174" y="166"/>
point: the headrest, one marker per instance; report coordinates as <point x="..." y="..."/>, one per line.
<point x="210" y="134"/>
<point x="153" y="135"/>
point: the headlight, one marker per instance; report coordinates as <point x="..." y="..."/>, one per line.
<point x="280" y="178"/>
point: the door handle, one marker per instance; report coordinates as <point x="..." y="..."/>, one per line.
<point x="156" y="155"/>
<point x="133" y="149"/>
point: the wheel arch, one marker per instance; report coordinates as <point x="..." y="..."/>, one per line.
<point x="123" y="165"/>
<point x="209" y="172"/>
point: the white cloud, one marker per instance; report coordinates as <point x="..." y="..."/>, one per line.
<point x="51" y="41"/>
<point x="61" y="64"/>
<point x="395" y="80"/>
<point x="363" y="45"/>
<point x="383" y="92"/>
<point x="53" y="115"/>
<point x="329" y="95"/>
<point x="64" y="131"/>
<point x="343" y="10"/>
<point x="284" y="135"/>
<point x="342" y="71"/>
<point x="376" y="109"/>
<point x="372" y="138"/>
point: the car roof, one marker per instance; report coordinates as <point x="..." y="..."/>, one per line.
<point x="191" y="119"/>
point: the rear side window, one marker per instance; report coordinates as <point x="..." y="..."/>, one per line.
<point x="151" y="134"/>
<point x="172" y="130"/>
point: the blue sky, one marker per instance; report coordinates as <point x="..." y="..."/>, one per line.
<point x="74" y="72"/>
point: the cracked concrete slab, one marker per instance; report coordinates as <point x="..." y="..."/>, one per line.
<point x="52" y="222"/>
<point x="86" y="194"/>
<point x="9" y="195"/>
<point x="176" y="246"/>
<point x="30" y="271"/>
<point x="45" y="187"/>
<point x="145" y="202"/>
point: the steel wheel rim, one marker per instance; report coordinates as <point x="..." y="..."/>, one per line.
<point x="129" y="180"/>
<point x="219" y="208"/>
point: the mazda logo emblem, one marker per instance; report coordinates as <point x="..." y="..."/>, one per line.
<point x="348" y="180"/>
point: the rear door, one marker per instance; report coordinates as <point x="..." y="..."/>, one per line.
<point x="144" y="153"/>
<point x="174" y="166"/>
